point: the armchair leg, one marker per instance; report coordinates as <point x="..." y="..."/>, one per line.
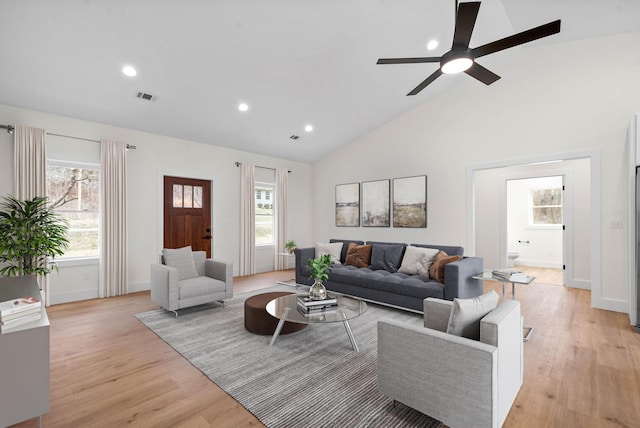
<point x="221" y="302"/>
<point x="175" y="313"/>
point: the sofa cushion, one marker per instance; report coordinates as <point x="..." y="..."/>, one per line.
<point x="200" y="286"/>
<point x="358" y="255"/>
<point x="333" y="249"/>
<point x="181" y="259"/>
<point x="436" y="271"/>
<point x="417" y="261"/>
<point x="345" y="247"/>
<point x="386" y="257"/>
<point x="466" y="314"/>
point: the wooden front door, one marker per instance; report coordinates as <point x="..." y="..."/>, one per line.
<point x="187" y="213"/>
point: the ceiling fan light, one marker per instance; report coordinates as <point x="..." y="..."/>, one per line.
<point x="456" y="65"/>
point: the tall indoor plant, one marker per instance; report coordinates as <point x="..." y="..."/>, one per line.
<point x="31" y="236"/>
<point x="319" y="273"/>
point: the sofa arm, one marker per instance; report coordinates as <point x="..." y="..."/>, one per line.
<point x="458" y="281"/>
<point x="302" y="258"/>
<point x="434" y="372"/>
<point x="222" y="271"/>
<point x="436" y="313"/>
<point x="164" y="286"/>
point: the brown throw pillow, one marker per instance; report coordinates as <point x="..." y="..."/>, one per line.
<point x="358" y="255"/>
<point x="436" y="271"/>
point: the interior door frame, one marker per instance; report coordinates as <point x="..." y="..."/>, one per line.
<point x="597" y="299"/>
<point x="160" y="207"/>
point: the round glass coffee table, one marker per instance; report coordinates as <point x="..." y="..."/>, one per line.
<point x="285" y="308"/>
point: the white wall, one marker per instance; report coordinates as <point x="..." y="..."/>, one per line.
<point x="552" y="99"/>
<point x="156" y="156"/>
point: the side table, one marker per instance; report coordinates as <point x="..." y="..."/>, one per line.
<point x="489" y="276"/>
<point x="290" y="282"/>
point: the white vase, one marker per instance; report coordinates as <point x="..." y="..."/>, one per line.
<point x="317" y="291"/>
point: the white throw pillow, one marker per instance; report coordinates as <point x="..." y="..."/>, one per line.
<point x="417" y="260"/>
<point x="333" y="249"/>
<point x="466" y="314"/>
<point x="181" y="259"/>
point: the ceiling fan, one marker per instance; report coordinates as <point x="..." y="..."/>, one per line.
<point x="461" y="58"/>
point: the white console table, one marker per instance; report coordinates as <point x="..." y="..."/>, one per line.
<point x="24" y="359"/>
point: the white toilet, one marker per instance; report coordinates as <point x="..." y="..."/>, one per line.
<point x="511" y="256"/>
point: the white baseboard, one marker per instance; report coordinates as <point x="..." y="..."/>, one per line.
<point x="73" y="296"/>
<point x="578" y="283"/>
<point x="140" y="286"/>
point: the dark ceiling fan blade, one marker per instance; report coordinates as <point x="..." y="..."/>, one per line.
<point x="426" y="82"/>
<point x="517" y="39"/>
<point x="465" y="21"/>
<point x="482" y="74"/>
<point x="408" y="60"/>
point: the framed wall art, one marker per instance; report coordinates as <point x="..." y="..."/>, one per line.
<point x="410" y="201"/>
<point x="375" y="204"/>
<point x="348" y="205"/>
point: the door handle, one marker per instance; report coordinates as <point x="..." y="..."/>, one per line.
<point x="207" y="237"/>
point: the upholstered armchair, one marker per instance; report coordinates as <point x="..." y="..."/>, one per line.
<point x="459" y="381"/>
<point x="185" y="278"/>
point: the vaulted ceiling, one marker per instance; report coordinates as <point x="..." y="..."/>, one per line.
<point x="293" y="62"/>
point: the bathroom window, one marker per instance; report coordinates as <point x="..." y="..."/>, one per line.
<point x="546" y="207"/>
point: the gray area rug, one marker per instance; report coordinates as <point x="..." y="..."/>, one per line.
<point x="311" y="378"/>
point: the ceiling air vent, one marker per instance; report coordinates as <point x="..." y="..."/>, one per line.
<point x="145" y="96"/>
<point x="294" y="137"/>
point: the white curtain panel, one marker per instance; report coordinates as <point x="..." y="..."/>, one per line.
<point x="113" y="210"/>
<point x="248" y="219"/>
<point x="30" y="174"/>
<point x="280" y="234"/>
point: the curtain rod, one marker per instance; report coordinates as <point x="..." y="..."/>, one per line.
<point x="10" y="129"/>
<point x="263" y="167"/>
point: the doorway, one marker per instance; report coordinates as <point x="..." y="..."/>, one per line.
<point x="535" y="227"/>
<point x="187" y="213"/>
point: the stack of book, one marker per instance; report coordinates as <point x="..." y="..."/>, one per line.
<point x="509" y="274"/>
<point x="309" y="306"/>
<point x="19" y="311"/>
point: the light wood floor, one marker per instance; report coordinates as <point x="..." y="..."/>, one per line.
<point x="582" y="366"/>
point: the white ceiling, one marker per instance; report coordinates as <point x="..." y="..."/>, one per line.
<point x="293" y="61"/>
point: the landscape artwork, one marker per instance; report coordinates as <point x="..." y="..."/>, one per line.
<point x="375" y="204"/>
<point x="410" y="201"/>
<point x="348" y="204"/>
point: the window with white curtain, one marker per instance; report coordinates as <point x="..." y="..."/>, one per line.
<point x="74" y="193"/>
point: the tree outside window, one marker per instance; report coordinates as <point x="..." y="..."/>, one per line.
<point x="264" y="215"/>
<point x="546" y="206"/>
<point x="74" y="193"/>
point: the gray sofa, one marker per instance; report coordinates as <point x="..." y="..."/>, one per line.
<point x="393" y="288"/>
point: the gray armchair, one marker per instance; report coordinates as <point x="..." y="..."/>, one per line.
<point x="458" y="381"/>
<point x="214" y="282"/>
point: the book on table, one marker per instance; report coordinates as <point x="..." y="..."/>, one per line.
<point x="317" y="312"/>
<point x="6" y="326"/>
<point x="316" y="308"/>
<point x="18" y="305"/>
<point x="308" y="302"/>
<point x="510" y="274"/>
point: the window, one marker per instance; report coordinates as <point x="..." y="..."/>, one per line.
<point x="267" y="196"/>
<point x="546" y="206"/>
<point x="74" y="193"/>
<point x="264" y="215"/>
<point x="185" y="196"/>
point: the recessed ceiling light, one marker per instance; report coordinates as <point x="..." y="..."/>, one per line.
<point x="308" y="128"/>
<point x="129" y="71"/>
<point x="432" y="45"/>
<point x="243" y="107"/>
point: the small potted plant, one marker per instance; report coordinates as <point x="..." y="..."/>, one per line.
<point x="319" y="268"/>
<point x="290" y="246"/>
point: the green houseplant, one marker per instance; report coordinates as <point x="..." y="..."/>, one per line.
<point x="290" y="246"/>
<point x="31" y="236"/>
<point x="319" y="273"/>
